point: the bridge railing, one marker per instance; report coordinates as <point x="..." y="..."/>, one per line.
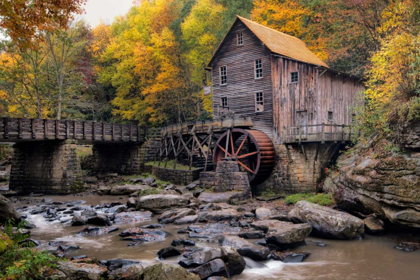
<point x="15" y="129"/>
<point x="317" y="133"/>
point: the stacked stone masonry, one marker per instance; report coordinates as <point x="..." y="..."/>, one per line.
<point x="179" y="177"/>
<point x="50" y="167"/>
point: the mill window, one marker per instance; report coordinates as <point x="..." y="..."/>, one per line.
<point x="223" y="75"/>
<point x="223" y="102"/>
<point x="258" y="69"/>
<point x="294" y="77"/>
<point x="259" y="101"/>
<point x="239" y="39"/>
<point x="330" y="116"/>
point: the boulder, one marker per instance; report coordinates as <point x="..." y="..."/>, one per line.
<point x="78" y="220"/>
<point x="373" y="225"/>
<point x="283" y="235"/>
<point x="246" y="248"/>
<point x="168" y="252"/>
<point x="186" y="220"/>
<point x="76" y="271"/>
<point x="132" y="217"/>
<point x="235" y="263"/>
<point x="127" y="272"/>
<point x="214" y="197"/>
<point x="327" y="222"/>
<point x="289" y="257"/>
<point x="96" y="231"/>
<point x="99" y="220"/>
<point x="7" y="211"/>
<point x="144" y="235"/>
<point x="158" y="203"/>
<point x="127" y="189"/>
<point x="263" y="213"/>
<point x="212" y="230"/>
<point x="132" y="202"/>
<point x="114" y="264"/>
<point x="220" y="215"/>
<point x="201" y="257"/>
<point x="215" y="267"/>
<point x="149" y="181"/>
<point x="165" y="272"/>
<point x="171" y="215"/>
<point x="103" y="190"/>
<point x="182" y="242"/>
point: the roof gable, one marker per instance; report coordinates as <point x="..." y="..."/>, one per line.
<point x="277" y="42"/>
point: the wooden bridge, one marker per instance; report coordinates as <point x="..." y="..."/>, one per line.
<point x="20" y="129"/>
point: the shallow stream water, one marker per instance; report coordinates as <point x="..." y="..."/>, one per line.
<point x="371" y="258"/>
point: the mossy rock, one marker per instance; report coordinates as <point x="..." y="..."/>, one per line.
<point x="166" y="272"/>
<point x="5" y="242"/>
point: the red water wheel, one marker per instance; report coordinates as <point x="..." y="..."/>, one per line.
<point x="252" y="149"/>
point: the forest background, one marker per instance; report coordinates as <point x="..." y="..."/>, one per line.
<point x="147" y="67"/>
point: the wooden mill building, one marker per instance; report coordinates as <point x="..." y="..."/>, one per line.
<point x="289" y="93"/>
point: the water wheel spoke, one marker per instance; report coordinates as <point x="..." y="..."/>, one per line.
<point x="242" y="143"/>
<point x="231" y="143"/>
<point x="220" y="147"/>
<point x="246" y="167"/>
<point x="249" y="155"/>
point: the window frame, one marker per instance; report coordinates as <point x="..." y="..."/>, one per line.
<point x="257" y="102"/>
<point x="330" y="113"/>
<point x="255" y="69"/>
<point x="220" y="75"/>
<point x="221" y="101"/>
<point x="291" y="77"/>
<point x="241" y="35"/>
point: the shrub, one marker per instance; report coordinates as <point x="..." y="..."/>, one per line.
<point x="321" y="198"/>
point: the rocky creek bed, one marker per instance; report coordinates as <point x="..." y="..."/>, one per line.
<point x="251" y="241"/>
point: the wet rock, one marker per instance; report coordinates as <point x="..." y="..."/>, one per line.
<point x="152" y="226"/>
<point x="144" y="235"/>
<point x="169" y="187"/>
<point x="91" y="180"/>
<point x="283" y="235"/>
<point x="182" y="231"/>
<point x="66" y="248"/>
<point x="212" y="230"/>
<point x="233" y="260"/>
<point x="114" y="264"/>
<point x="186" y="220"/>
<point x="37" y="211"/>
<point x="289" y="257"/>
<point x="75" y="271"/>
<point x="263" y="213"/>
<point x="127" y="272"/>
<point x="29" y="226"/>
<point x="75" y="258"/>
<point x="96" y="231"/>
<point x="134" y="243"/>
<point x="182" y="242"/>
<point x="246" y="248"/>
<point x="55" y="243"/>
<point x="78" y="220"/>
<point x="191" y="186"/>
<point x="127" y="189"/>
<point x="132" y="202"/>
<point x="132" y="217"/>
<point x="408" y="246"/>
<point x="168" y="252"/>
<point x="215" y="267"/>
<point x="181" y="190"/>
<point x="252" y="234"/>
<point x="171" y="215"/>
<point x="29" y="242"/>
<point x="166" y="272"/>
<point x="214" y="197"/>
<point x="88" y="212"/>
<point x="326" y="221"/>
<point x="160" y="202"/>
<point x="373" y="225"/>
<point x="201" y="257"/>
<point x="220" y="215"/>
<point x="103" y="190"/>
<point x="47" y="200"/>
<point x="99" y="220"/>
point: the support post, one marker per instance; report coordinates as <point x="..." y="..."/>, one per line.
<point x="323" y="134"/>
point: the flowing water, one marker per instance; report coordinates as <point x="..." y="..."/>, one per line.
<point x="371" y="258"/>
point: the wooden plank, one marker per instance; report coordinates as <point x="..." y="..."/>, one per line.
<point x="20" y="132"/>
<point x="33" y="132"/>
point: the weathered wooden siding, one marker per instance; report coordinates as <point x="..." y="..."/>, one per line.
<point x="310" y="100"/>
<point x="241" y="83"/>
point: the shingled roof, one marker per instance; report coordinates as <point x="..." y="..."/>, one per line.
<point x="279" y="43"/>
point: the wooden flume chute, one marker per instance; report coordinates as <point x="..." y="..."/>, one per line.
<point x="210" y="142"/>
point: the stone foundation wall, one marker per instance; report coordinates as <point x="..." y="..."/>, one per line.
<point x="299" y="170"/>
<point x="49" y="167"/>
<point x="123" y="158"/>
<point x="179" y="177"/>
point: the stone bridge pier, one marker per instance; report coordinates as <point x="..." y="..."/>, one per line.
<point x="49" y="167"/>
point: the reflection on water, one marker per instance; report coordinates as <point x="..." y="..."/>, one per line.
<point x="372" y="258"/>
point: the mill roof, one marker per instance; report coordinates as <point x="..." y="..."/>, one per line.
<point x="279" y="43"/>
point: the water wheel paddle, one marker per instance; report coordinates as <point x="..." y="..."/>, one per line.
<point x="252" y="149"/>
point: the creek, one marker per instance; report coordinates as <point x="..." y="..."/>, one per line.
<point x="374" y="257"/>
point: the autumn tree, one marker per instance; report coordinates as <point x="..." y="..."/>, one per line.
<point x="26" y="20"/>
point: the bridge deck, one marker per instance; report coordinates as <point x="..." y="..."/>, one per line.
<point x="20" y="129"/>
